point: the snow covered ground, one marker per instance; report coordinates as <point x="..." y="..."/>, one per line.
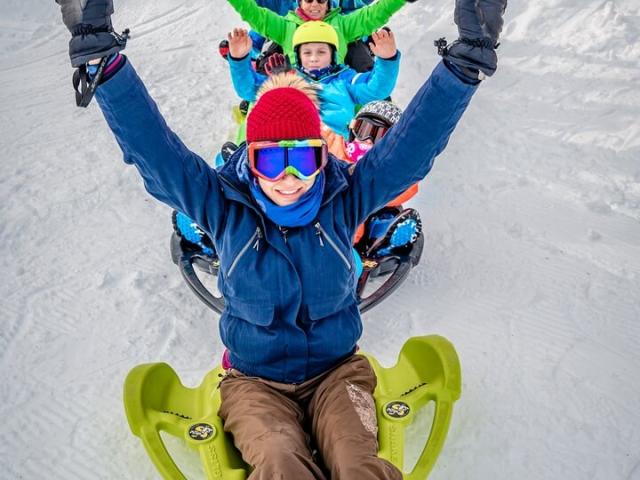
<point x="532" y="224"/>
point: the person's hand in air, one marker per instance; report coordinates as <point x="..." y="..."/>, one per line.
<point x="92" y="36"/>
<point x="277" y="63"/>
<point x="479" y="26"/>
<point x="240" y="43"/>
<point x="383" y="43"/>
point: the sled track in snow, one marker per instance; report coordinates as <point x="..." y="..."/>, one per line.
<point x="170" y="18"/>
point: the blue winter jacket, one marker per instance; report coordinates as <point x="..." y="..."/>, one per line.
<point x="340" y="92"/>
<point x="291" y="310"/>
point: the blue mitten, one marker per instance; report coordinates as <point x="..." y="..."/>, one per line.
<point x="479" y="25"/>
<point x="92" y="35"/>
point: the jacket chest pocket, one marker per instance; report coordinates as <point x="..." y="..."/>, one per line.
<point x="328" y="268"/>
<point x="252" y="244"/>
<point x="329" y="240"/>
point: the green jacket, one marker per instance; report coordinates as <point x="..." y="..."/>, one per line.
<point x="361" y="23"/>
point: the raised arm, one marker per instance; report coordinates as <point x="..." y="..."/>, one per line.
<point x="380" y="82"/>
<point x="366" y="20"/>
<point x="406" y="154"/>
<point x="171" y="172"/>
<point x="246" y="81"/>
<point x="262" y="20"/>
<point x="348" y="6"/>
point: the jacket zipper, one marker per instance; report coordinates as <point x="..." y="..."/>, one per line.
<point x="321" y="233"/>
<point x="257" y="235"/>
<point x="284" y="231"/>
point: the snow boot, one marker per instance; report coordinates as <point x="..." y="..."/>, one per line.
<point x="191" y="234"/>
<point x="228" y="149"/>
<point x="389" y="231"/>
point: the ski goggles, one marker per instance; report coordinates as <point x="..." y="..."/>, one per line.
<point x="273" y="160"/>
<point x="321" y="2"/>
<point x="367" y="129"/>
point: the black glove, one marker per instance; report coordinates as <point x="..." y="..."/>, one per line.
<point x="479" y="25"/>
<point x="277" y="63"/>
<point x="89" y="22"/>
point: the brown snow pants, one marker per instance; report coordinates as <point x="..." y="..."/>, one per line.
<point x="269" y="422"/>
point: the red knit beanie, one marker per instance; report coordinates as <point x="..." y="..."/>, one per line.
<point x="283" y="113"/>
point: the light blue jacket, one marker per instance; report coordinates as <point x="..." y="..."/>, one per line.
<point x="291" y="311"/>
<point x="340" y="92"/>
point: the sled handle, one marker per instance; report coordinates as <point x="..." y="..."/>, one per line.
<point x="392" y="432"/>
<point x="396" y="411"/>
<point x="437" y="436"/>
<point x="387" y="288"/>
<point x="188" y="273"/>
<point x="393" y="281"/>
<point x="157" y="451"/>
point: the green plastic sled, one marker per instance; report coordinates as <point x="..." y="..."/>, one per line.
<point x="155" y="400"/>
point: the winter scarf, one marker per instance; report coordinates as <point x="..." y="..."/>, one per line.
<point x="322" y="72"/>
<point x="296" y="215"/>
<point x="300" y="13"/>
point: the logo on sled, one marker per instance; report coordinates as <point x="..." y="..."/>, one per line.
<point x="369" y="264"/>
<point x="397" y="409"/>
<point x="201" y="431"/>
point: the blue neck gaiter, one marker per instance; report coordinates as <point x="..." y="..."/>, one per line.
<point x="296" y="215"/>
<point x="320" y="73"/>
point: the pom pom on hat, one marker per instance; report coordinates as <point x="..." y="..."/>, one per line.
<point x="286" y="110"/>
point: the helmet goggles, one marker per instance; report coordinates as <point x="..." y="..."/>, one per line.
<point x="365" y="128"/>
<point x="273" y="160"/>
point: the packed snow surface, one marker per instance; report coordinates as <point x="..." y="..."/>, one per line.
<point x="531" y="266"/>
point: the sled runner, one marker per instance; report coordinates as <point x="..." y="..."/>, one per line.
<point x="193" y="252"/>
<point x="427" y="370"/>
<point x="381" y="258"/>
<point x="188" y="258"/>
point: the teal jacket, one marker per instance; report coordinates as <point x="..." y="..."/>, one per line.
<point x="340" y="93"/>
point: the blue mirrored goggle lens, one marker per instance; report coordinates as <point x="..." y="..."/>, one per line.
<point x="307" y="160"/>
<point x="272" y="161"/>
